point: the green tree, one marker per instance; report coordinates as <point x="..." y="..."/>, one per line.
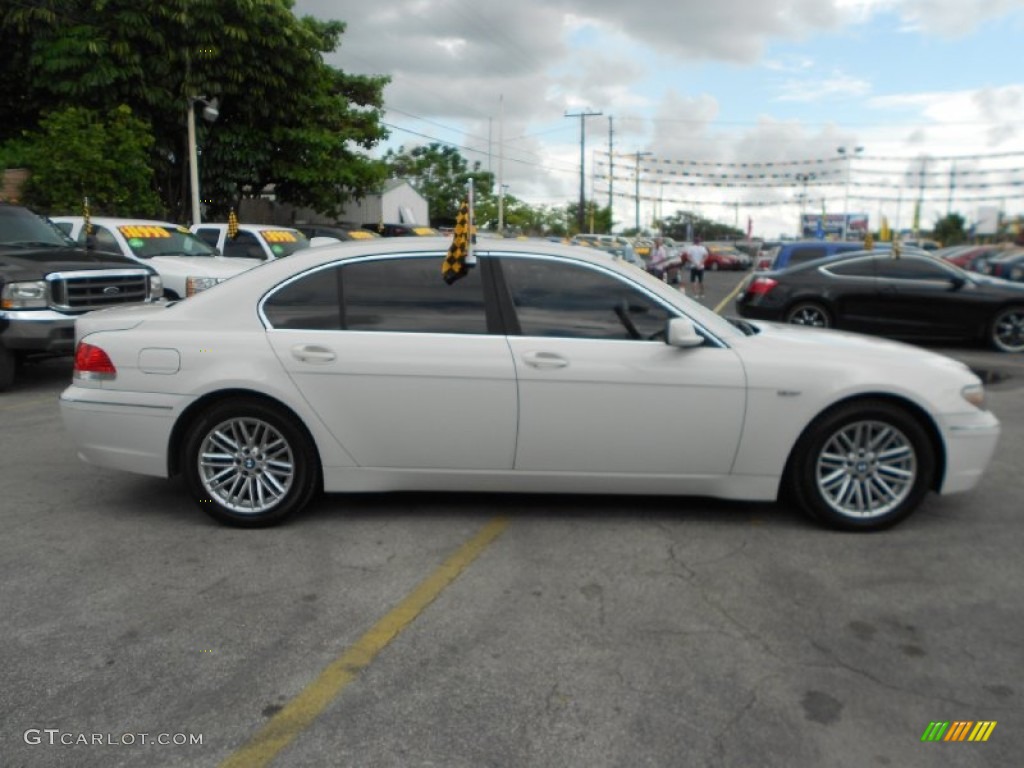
<point x="441" y="175"/>
<point x="78" y="153"/>
<point x="286" y="117"/>
<point x="950" y="230"/>
<point x="675" y="226"/>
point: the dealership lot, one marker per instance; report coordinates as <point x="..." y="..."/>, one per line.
<point x="575" y="631"/>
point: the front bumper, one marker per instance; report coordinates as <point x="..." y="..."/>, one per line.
<point x="40" y="330"/>
<point x="970" y="444"/>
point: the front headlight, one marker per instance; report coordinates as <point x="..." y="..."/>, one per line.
<point x="156" y="287"/>
<point x="28" y="295"/>
<point x="975" y="395"/>
<point x="194" y="285"/>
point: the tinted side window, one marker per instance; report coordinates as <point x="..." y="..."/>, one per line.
<point x="808" y="253"/>
<point x="209" y="236"/>
<point x="855" y="268"/>
<point x="566" y="300"/>
<point x="245" y="246"/>
<point x="409" y="295"/>
<point x="310" y="303"/>
<point x="102" y="239"/>
<point x="909" y="268"/>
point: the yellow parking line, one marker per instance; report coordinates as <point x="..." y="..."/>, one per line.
<point x="724" y="302"/>
<point x="302" y="710"/>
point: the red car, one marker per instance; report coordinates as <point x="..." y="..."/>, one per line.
<point x="722" y="256"/>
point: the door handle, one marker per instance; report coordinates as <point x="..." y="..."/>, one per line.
<point x="544" y="360"/>
<point x="312" y="353"/>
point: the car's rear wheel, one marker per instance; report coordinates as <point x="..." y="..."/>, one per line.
<point x="809" y="313"/>
<point x="247" y="464"/>
<point x="1007" y="330"/>
<point x="863" y="466"/>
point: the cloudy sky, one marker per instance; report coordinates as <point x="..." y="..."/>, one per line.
<point x="732" y="108"/>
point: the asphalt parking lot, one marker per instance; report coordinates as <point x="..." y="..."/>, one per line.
<point x="438" y="630"/>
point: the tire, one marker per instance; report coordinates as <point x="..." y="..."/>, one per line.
<point x="240" y="482"/>
<point x="810" y="314"/>
<point x="714" y="266"/>
<point x="7" y="367"/>
<point x="1006" y="333"/>
<point x="863" y="466"/>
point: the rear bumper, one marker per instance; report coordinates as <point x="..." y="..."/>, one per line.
<point x="129" y="431"/>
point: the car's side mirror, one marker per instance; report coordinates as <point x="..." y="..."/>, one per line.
<point x="957" y="282"/>
<point x="680" y="332"/>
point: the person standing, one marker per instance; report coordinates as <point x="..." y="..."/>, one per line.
<point x="696" y="256"/>
<point x="659" y="255"/>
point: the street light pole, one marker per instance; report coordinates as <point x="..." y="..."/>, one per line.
<point x="193" y="160"/>
<point x="846" y="201"/>
<point x="210" y="113"/>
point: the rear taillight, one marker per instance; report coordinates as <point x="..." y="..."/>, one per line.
<point x="759" y="286"/>
<point x="93" y="364"/>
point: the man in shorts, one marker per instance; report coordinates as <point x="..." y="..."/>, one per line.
<point x="696" y="254"/>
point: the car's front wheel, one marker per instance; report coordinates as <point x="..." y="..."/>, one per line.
<point x="863" y="466"/>
<point x="810" y="314"/>
<point x="1007" y="330"/>
<point x="247" y="464"/>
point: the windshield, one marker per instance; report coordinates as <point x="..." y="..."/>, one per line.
<point x="284" y="242"/>
<point x="20" y="228"/>
<point x="149" y="240"/>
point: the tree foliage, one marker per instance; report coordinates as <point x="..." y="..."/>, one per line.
<point x="950" y="230"/>
<point x="441" y="175"/>
<point x="286" y="118"/>
<point x="78" y="153"/>
<point x="676" y="227"/>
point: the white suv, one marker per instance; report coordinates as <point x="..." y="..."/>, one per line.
<point x="257" y="242"/>
<point x="185" y="263"/>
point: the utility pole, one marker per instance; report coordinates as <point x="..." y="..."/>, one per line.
<point x="580" y="214"/>
<point x="638" y="156"/>
<point x="611" y="167"/>
<point x="501" y="164"/>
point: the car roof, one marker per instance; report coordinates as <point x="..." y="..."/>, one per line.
<point x="116" y="222"/>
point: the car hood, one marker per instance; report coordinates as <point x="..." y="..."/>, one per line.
<point x="200" y="266"/>
<point x="785" y="347"/>
<point x="30" y="263"/>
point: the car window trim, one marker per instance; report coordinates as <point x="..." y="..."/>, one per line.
<point x="492" y="319"/>
<point x="508" y="308"/>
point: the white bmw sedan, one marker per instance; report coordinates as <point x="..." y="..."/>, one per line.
<point x="547" y="368"/>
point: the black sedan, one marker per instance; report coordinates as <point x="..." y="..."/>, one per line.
<point x="914" y="297"/>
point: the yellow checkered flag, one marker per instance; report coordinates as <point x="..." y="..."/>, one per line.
<point x="232" y="224"/>
<point x="86" y="217"/>
<point x="457" y="262"/>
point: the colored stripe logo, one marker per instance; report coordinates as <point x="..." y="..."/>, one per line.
<point x="959" y="730"/>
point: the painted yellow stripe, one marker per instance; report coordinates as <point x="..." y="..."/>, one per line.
<point x="725" y="302"/>
<point x="302" y="710"/>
